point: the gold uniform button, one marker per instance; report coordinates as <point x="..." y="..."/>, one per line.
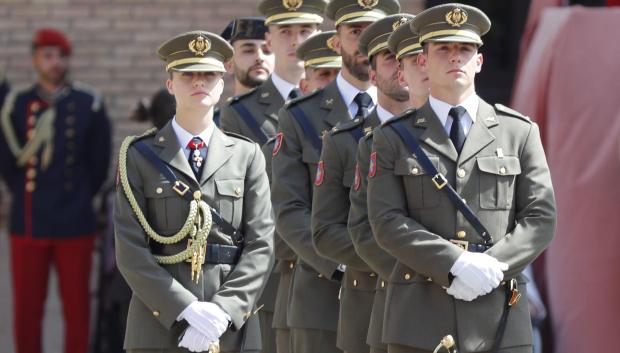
<point x="162" y="139"/>
<point x="70" y="133"/>
<point x="238" y="191"/>
<point x="461" y="173"/>
<point x="291" y="265"/>
<point x="156" y="313"/>
<point x="354" y="283"/>
<point x="415" y="171"/>
<point x="31" y="173"/>
<point x="429" y="279"/>
<point x="30" y="186"/>
<point x="502" y="170"/>
<point x="372" y="274"/>
<point x="382" y="284"/>
<point x="320" y="275"/>
<point x="407" y="276"/>
<point x="197" y="195"/>
<point x="461" y="234"/>
<point x="159" y="190"/>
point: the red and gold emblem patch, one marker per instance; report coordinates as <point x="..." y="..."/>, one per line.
<point x="278" y="144"/>
<point x="320" y="174"/>
<point x="358" y="178"/>
<point x="372" y="167"/>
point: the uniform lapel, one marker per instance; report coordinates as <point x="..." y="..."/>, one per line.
<point x="434" y="134"/>
<point x="171" y="152"/>
<point x="479" y="136"/>
<point x="270" y="96"/>
<point x="332" y="100"/>
<point x="218" y="153"/>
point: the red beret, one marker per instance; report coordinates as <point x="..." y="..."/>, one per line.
<point x="51" y="37"/>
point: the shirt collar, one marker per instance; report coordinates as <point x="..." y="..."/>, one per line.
<point x="442" y="108"/>
<point x="283" y="86"/>
<point x="185" y="136"/>
<point x="383" y="114"/>
<point x="348" y="91"/>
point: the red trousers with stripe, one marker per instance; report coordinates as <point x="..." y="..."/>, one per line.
<point x="31" y="261"/>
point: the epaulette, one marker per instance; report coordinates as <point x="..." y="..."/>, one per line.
<point x="511" y="112"/>
<point x="292" y="102"/>
<point x="346" y="125"/>
<point x="91" y="91"/>
<point x="239" y="136"/>
<point x="233" y="99"/>
<point x="148" y="133"/>
<point x="400" y="116"/>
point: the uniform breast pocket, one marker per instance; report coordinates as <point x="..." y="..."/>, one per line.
<point x="420" y="190"/>
<point x="497" y="181"/>
<point x="166" y="210"/>
<point x="230" y="199"/>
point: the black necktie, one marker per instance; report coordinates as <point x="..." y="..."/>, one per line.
<point x="295" y="92"/>
<point x="363" y="102"/>
<point x="197" y="155"/>
<point x="457" y="134"/>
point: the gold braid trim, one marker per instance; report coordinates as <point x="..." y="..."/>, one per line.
<point x="197" y="225"/>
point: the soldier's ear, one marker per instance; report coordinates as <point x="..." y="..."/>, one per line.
<point x="337" y="43"/>
<point x="400" y="74"/>
<point x="268" y="41"/>
<point x="229" y="66"/>
<point x="479" y="60"/>
<point x="170" y="85"/>
<point x="422" y="62"/>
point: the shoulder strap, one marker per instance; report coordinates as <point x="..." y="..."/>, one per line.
<point x="440" y="181"/>
<point x="307" y="128"/>
<point x="182" y="189"/>
<point x="249" y="120"/>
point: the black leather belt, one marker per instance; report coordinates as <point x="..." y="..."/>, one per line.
<point x="222" y="254"/>
<point x="471" y="247"/>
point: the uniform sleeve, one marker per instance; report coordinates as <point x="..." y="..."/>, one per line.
<point x="359" y="226"/>
<point x="404" y="238"/>
<point x="244" y="284"/>
<point x="535" y="215"/>
<point x="292" y="198"/>
<point x="330" y="208"/>
<point x="229" y="120"/>
<point x="150" y="282"/>
<point x="100" y="138"/>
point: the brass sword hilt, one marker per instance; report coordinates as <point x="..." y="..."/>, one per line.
<point x="448" y="343"/>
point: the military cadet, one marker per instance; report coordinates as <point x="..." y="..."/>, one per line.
<point x="460" y="193"/>
<point x="335" y="176"/>
<point x="251" y="65"/>
<point x="321" y="63"/>
<point x="252" y="61"/>
<point x="313" y="302"/>
<point x="54" y="156"/>
<point x="289" y="23"/>
<point x="193" y="228"/>
<point x="404" y="44"/>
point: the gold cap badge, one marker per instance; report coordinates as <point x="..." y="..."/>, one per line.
<point x="292" y="5"/>
<point x="399" y="23"/>
<point x="456" y="17"/>
<point x="330" y="43"/>
<point x="368" y="4"/>
<point x="199" y="46"/>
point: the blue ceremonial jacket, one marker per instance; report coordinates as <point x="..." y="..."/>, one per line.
<point x="53" y="192"/>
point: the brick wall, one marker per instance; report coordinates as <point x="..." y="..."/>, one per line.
<point x="115" y="40"/>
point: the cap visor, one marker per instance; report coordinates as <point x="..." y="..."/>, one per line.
<point x="455" y="39"/>
<point x="328" y="65"/>
<point x="199" y="68"/>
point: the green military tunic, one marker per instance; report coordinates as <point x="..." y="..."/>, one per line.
<point x="313" y="298"/>
<point x="330" y="210"/>
<point x="233" y="182"/>
<point x="503" y="176"/>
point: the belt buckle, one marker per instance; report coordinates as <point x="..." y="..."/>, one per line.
<point x="463" y="244"/>
<point x="180" y="187"/>
<point x="439" y="180"/>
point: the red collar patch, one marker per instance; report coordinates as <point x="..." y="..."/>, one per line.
<point x="278" y="144"/>
<point x="372" y="167"/>
<point x="320" y="174"/>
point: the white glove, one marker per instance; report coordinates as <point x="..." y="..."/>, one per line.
<point x="479" y="271"/>
<point x="195" y="341"/>
<point x="207" y="318"/>
<point x="460" y="290"/>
